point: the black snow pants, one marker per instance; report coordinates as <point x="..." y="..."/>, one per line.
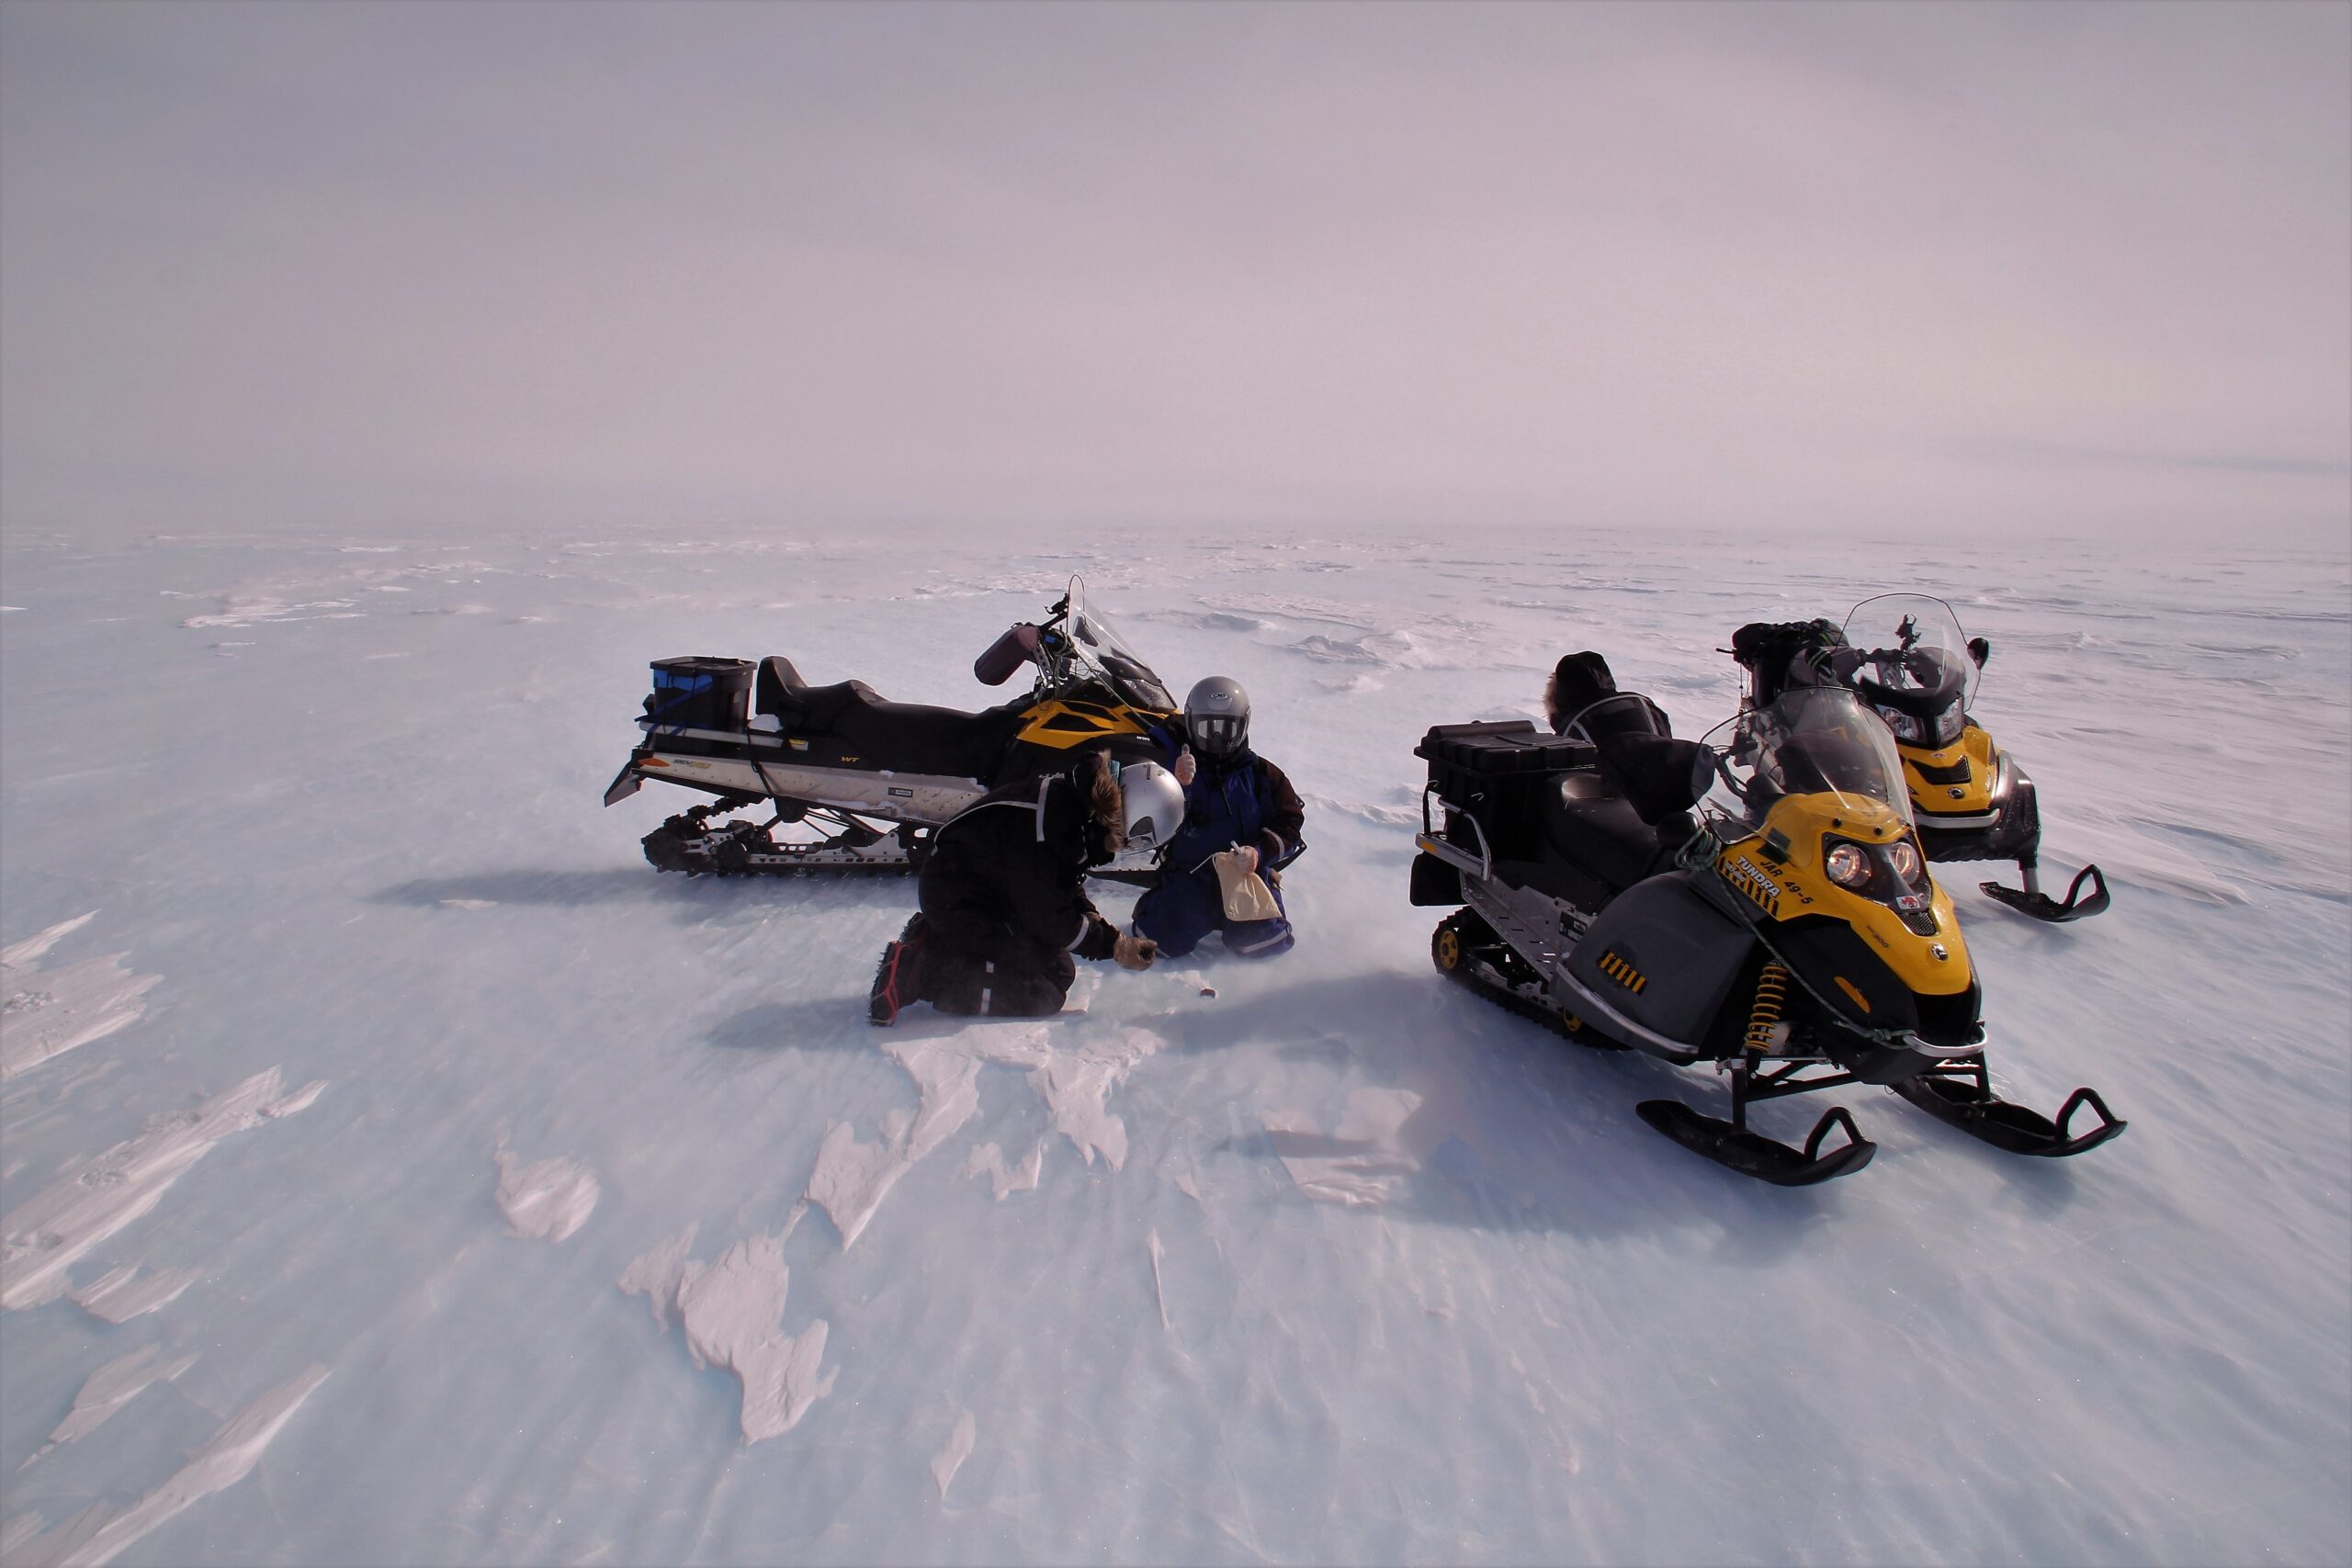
<point x="1004" y="899"/>
<point x="975" y="965"/>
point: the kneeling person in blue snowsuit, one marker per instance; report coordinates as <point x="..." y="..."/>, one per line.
<point x="1234" y="799"/>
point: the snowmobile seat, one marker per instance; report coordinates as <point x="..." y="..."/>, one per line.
<point x="1608" y="839"/>
<point x="908" y="737"/>
<point x="1658" y="775"/>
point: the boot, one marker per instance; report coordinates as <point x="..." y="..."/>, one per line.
<point x="898" y="981"/>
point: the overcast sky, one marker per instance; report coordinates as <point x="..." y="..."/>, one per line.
<point x="1879" y="267"/>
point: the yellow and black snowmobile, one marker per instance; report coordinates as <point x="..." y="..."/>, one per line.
<point x="1791" y="934"/>
<point x="859" y="783"/>
<point x="1906" y="654"/>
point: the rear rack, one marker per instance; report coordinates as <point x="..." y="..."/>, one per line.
<point x="1482" y="865"/>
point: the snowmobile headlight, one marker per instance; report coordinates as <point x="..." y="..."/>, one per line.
<point x="1949" y="724"/>
<point x="2004" y="777"/>
<point x="1906" y="727"/>
<point x="1905" y="858"/>
<point x="1848" y="866"/>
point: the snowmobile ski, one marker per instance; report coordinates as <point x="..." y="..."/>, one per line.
<point x="2032" y="900"/>
<point x="1752" y="1154"/>
<point x="1960" y="1094"/>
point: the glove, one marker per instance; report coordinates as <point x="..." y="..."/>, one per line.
<point x="1134" y="951"/>
<point x="1185" y="767"/>
<point x="1246" y="857"/>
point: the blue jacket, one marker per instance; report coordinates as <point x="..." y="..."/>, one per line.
<point x="1242" y="799"/>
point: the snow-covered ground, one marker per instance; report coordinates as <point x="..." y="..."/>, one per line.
<point x="396" y="1168"/>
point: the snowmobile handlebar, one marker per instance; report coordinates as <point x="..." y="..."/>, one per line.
<point x="1937" y="684"/>
<point x="1007" y="654"/>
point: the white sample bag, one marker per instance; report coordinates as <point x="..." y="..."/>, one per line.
<point x="1246" y="896"/>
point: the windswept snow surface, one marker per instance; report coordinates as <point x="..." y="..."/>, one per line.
<point x="549" y="1199"/>
<point x="1338" y="1264"/>
<point x="46" y="1012"/>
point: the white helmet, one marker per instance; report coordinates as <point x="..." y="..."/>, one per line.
<point x="1152" y="804"/>
<point x="1217" y="717"/>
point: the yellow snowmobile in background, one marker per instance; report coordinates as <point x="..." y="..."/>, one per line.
<point x="1905" y="655"/>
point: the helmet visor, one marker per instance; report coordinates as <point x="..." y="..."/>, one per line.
<point x="1218" y="734"/>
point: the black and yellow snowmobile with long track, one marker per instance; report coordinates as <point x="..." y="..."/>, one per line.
<point x="1906" y="654"/>
<point x="856" y="783"/>
<point x="1791" y="934"/>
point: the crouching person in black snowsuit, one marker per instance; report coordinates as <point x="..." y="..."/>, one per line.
<point x="1005" y="913"/>
<point x="1234" y="800"/>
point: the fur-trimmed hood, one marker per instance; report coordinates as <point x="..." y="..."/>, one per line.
<point x="1109" y="803"/>
<point x="1577" y="681"/>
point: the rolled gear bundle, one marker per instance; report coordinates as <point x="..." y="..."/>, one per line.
<point x="1782" y="654"/>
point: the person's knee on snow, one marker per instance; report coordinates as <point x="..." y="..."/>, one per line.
<point x="1004" y="908"/>
<point x="967" y="985"/>
<point x="1177" y="911"/>
<point x="1261" y="939"/>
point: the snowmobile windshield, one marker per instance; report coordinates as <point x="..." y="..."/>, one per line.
<point x="1916" y="665"/>
<point x="1106" y="654"/>
<point x="1812" y="741"/>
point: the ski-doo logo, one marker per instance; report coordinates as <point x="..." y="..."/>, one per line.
<point x="1754" y="886"/>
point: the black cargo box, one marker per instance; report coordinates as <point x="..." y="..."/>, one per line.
<point x="1496" y="772"/>
<point x="1501" y="747"/>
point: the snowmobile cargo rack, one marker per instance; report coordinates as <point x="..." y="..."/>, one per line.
<point x="700" y="692"/>
<point x="1453" y="846"/>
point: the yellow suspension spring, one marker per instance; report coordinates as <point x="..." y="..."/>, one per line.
<point x="1771" y="990"/>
